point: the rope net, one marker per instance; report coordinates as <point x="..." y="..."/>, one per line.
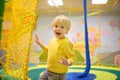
<point x="19" y="20"/>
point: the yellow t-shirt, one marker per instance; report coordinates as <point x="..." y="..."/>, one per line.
<point x="58" y="48"/>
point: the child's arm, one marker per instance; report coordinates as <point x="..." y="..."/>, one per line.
<point x="70" y="56"/>
<point x="44" y="47"/>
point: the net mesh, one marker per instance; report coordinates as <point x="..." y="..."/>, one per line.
<point x="19" y="19"/>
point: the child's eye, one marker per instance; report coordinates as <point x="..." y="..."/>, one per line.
<point x="62" y="27"/>
<point x="56" y="26"/>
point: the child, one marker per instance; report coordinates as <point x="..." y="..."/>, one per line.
<point x="60" y="50"/>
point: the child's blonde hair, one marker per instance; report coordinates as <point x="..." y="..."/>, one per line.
<point x="62" y="20"/>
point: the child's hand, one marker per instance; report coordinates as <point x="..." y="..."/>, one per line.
<point x="64" y="61"/>
<point x="36" y="39"/>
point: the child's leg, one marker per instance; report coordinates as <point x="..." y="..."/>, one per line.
<point x="62" y="76"/>
<point x="55" y="76"/>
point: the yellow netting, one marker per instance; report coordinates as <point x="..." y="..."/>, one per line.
<point x="21" y="16"/>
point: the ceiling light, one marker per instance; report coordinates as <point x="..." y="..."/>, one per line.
<point x="55" y="3"/>
<point x="99" y="1"/>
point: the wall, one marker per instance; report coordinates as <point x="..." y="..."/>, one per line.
<point x="104" y="36"/>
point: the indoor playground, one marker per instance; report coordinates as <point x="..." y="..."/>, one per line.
<point x="95" y="34"/>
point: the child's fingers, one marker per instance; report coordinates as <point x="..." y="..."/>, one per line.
<point x="36" y="36"/>
<point x="63" y="61"/>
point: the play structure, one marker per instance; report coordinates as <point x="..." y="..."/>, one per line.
<point x="18" y="19"/>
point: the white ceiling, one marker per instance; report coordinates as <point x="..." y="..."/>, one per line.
<point x="75" y="7"/>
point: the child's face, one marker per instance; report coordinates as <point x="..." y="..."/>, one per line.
<point x="59" y="31"/>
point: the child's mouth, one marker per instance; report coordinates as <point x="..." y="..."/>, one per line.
<point x="58" y="33"/>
